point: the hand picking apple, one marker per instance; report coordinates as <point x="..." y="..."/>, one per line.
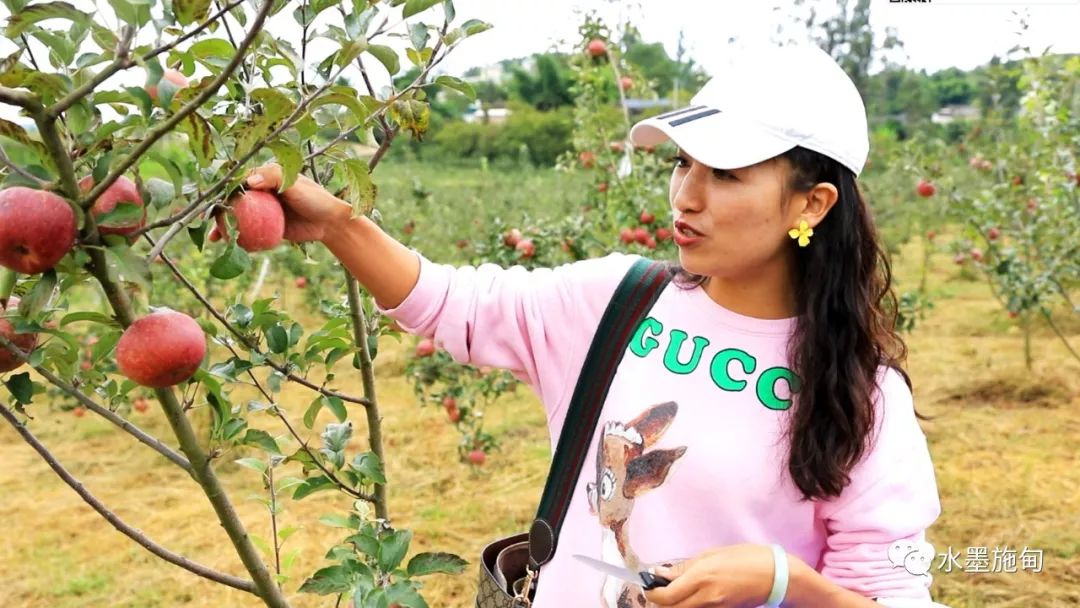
<point x="387" y="268"/>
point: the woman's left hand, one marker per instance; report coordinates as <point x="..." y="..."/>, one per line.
<point x="736" y="576"/>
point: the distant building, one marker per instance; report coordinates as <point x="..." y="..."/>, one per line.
<point x="494" y="115"/>
<point x="951" y="113"/>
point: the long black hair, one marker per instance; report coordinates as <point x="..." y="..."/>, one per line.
<point x="845" y="329"/>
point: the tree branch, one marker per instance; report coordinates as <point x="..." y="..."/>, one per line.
<point x="367" y="369"/>
<point x="201" y="467"/>
<point x="149" y="440"/>
<point x="124" y="61"/>
<point x="125" y="529"/>
<point x="166" y="127"/>
<point x="23" y="172"/>
<point x="15" y="97"/>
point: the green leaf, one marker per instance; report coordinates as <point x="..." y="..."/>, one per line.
<point x="448" y="9"/>
<point x="359" y="189"/>
<point x="418" y="35"/>
<point x="20" y="387"/>
<point x="32" y="303"/>
<point x="457" y="84"/>
<point x="403" y="593"/>
<point x="190" y="11"/>
<point x="96" y="317"/>
<point x="200" y="136"/>
<point x="350" y="49"/>
<point x="213" y="47"/>
<point x="312" y="412"/>
<point x="277" y="339"/>
<point x="124" y="214"/>
<point x="312" y="485"/>
<point x="233" y="263"/>
<point x="253" y="463"/>
<point x="336" y="406"/>
<point x="262" y="440"/>
<point x="289" y="157"/>
<point x="368" y="465"/>
<point x="475" y="26"/>
<point x="15" y="132"/>
<point x="20" y="21"/>
<point x="413" y="7"/>
<point x="329" y="581"/>
<point x="411" y="114"/>
<point x="365" y="543"/>
<point x="386" y="56"/>
<point x="346" y="96"/>
<point x="392" y="549"/>
<point x="135" y="12"/>
<point x="161" y="192"/>
<point x="62" y="46"/>
<point x="349" y="522"/>
<point x="336" y="436"/>
<point x="436" y="563"/>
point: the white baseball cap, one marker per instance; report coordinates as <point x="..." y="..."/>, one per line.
<point x="763" y="101"/>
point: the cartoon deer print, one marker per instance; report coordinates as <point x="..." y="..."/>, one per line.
<point x="625" y="471"/>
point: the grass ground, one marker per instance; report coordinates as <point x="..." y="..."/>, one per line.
<point x="1003" y="442"/>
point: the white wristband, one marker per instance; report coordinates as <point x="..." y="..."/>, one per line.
<point x="780" y="577"/>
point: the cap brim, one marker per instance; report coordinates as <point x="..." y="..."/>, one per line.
<point x="712" y="137"/>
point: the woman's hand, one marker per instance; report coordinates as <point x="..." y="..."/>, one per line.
<point x="310" y="210"/>
<point x="736" y="576"/>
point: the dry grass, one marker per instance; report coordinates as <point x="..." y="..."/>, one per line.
<point x="1003" y="442"/>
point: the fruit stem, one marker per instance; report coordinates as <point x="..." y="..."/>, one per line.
<point x="189" y="445"/>
<point x="7" y="283"/>
<point x="367" y="370"/>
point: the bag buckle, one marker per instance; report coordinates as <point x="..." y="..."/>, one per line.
<point x="521" y="596"/>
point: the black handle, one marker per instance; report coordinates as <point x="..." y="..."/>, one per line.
<point x="653" y="581"/>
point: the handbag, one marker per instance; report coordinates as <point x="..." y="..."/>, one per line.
<point x="509" y="566"/>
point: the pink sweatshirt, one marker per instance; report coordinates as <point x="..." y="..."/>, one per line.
<point x="686" y="455"/>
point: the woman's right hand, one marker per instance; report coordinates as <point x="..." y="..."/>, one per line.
<point x="311" y="211"/>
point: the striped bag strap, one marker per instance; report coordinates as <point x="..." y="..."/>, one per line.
<point x="634" y="297"/>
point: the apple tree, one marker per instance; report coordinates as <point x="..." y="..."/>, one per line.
<point x="121" y="194"/>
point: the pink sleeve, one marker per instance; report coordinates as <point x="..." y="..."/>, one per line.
<point x="892" y="498"/>
<point x="536" y="323"/>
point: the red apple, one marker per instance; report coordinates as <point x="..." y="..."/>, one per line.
<point x="301" y="282"/>
<point x="930" y="234"/>
<point x="477" y="457"/>
<point x="37" y="229"/>
<point x="511" y="238"/>
<point x="1013" y="314"/>
<point x="662" y="234"/>
<point x="172" y="76"/>
<point x="23" y="341"/>
<point x="1017" y="180"/>
<point x="925" y="188"/>
<point x="602" y="187"/>
<point x="162" y="349"/>
<point x="626" y="83"/>
<point x="123" y="190"/>
<point x="641" y="235"/>
<point x="453" y="414"/>
<point x="976" y="254"/>
<point x="425" y="348"/>
<point x="449" y="402"/>
<point x="410" y="227"/>
<point x="1032" y="205"/>
<point x="526" y="248"/>
<point x="79" y="411"/>
<point x="140" y="404"/>
<point x="596" y="47"/>
<point x="260" y="220"/>
<point x="960" y="258"/>
<point x="650" y="243"/>
<point x="617" y="147"/>
<point x="626" y="235"/>
<point x="993" y="234"/>
<point x="587" y="159"/>
<point x="649" y="148"/>
<point x="463" y="243"/>
<point x="86" y="365"/>
<point x="647" y="218"/>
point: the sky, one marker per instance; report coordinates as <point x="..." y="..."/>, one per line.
<point x="936" y="34"/>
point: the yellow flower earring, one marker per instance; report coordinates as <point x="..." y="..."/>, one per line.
<point x="803" y="233"/>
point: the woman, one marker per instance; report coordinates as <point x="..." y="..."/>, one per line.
<point x="759" y="425"/>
